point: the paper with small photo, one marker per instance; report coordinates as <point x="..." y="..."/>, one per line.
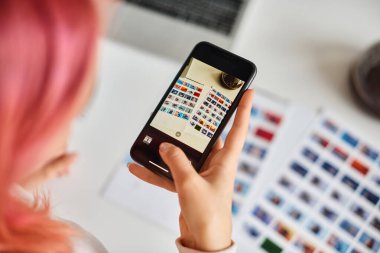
<point x="147" y="201"/>
<point x="268" y="114"/>
<point x="324" y="198"/>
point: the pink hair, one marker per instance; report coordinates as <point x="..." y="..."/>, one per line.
<point x="46" y="49"/>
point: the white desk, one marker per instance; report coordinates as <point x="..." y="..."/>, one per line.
<point x="303" y="50"/>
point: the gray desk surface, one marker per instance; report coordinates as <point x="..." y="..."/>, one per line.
<point x="303" y="50"/>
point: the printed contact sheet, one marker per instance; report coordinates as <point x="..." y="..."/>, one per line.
<point x="306" y="181"/>
<point x="326" y="198"/>
<point x="266" y="119"/>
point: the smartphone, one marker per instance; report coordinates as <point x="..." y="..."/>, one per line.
<point x="196" y="107"/>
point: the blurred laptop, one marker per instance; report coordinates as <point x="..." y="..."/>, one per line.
<point x="172" y="27"/>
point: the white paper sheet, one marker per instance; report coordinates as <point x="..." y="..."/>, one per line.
<point x="145" y="200"/>
<point x="264" y="209"/>
<point x="324" y="198"/>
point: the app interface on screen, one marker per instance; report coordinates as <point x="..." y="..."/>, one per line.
<point x="197" y="104"/>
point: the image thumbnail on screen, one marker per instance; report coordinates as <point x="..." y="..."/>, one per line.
<point x="197" y="104"/>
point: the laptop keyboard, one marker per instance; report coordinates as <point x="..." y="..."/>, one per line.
<point x="218" y="15"/>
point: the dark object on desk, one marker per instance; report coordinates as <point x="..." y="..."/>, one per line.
<point x="230" y="82"/>
<point x="365" y="79"/>
<point x="218" y="15"/>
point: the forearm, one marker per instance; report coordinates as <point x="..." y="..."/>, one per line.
<point x="183" y="249"/>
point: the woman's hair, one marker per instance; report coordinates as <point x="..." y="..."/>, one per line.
<point x="46" y="50"/>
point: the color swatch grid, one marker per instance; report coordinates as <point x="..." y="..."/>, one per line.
<point x="211" y="113"/>
<point x="266" y="119"/>
<point x="325" y="199"/>
<point x="181" y="100"/>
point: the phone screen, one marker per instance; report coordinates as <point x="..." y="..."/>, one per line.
<point x="197" y="104"/>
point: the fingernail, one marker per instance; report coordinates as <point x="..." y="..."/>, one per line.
<point x="164" y="147"/>
<point x="74" y="157"/>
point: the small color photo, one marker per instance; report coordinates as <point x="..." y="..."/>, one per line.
<point x="359" y="211"/>
<point x="330" y="125"/>
<point x="349" y="227"/>
<point x="338" y="244"/>
<point x="339" y="197"/>
<point x="310" y="155"/>
<point x="370" y="242"/>
<point x="294" y="213"/>
<point x="360" y="167"/>
<point x="284" y="230"/>
<point x="287" y="184"/>
<point x="369" y="152"/>
<point x="241" y="187"/>
<point x="350" y="139"/>
<point x="375" y="223"/>
<point x="330" y="168"/>
<point x="369" y="195"/>
<point x="304" y="245"/>
<point x="251" y="230"/>
<point x="248" y="169"/>
<point x="319" y="183"/>
<point x="235" y="207"/>
<point x="262" y="215"/>
<point x="307" y="198"/>
<point x="254" y="150"/>
<point x="340" y="153"/>
<point x="317" y="229"/>
<point x="350" y="182"/>
<point x="299" y="169"/>
<point x="275" y="199"/>
<point x="329" y="213"/>
<point x="322" y="141"/>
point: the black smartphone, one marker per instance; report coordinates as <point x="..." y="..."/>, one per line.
<point x="196" y="107"/>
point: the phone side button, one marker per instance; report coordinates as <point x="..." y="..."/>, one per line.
<point x="158" y="166"/>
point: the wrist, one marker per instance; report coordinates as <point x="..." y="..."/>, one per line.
<point x="209" y="238"/>
<point x="211" y="243"/>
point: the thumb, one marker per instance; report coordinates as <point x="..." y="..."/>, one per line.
<point x="60" y="165"/>
<point x="179" y="165"/>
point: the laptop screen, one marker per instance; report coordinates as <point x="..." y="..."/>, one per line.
<point x="217" y="15"/>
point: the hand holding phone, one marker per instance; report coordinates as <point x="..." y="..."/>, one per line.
<point x="196" y="107"/>
<point x="205" y="198"/>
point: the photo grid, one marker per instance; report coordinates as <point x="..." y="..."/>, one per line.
<point x="325" y="199"/>
<point x="196" y="105"/>
<point x="182" y="100"/>
<point x="267" y="115"/>
<point x="211" y="113"/>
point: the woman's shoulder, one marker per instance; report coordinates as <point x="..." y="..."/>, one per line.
<point x="85" y="242"/>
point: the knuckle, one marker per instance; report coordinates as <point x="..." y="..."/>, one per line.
<point x="189" y="183"/>
<point x="174" y="153"/>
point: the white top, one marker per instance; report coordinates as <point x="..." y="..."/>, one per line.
<point x="87" y="243"/>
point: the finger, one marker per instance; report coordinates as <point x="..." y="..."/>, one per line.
<point x="57" y="167"/>
<point x="178" y="163"/>
<point x="217" y="147"/>
<point x="60" y="165"/>
<point x="236" y="137"/>
<point x="149" y="177"/>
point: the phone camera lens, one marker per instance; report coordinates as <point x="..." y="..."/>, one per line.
<point x="230" y="82"/>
